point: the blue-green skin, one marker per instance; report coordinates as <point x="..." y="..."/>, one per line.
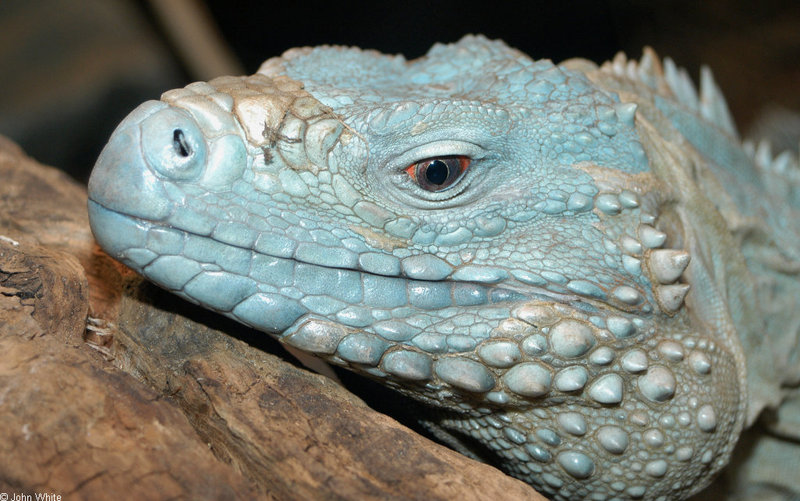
<point x="540" y="302"/>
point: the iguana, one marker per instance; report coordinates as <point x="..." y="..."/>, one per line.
<point x="580" y="268"/>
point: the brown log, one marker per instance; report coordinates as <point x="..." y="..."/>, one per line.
<point x="154" y="401"/>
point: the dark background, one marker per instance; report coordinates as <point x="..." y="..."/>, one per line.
<point x="71" y="70"/>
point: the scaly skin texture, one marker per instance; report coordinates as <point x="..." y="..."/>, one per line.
<point x="578" y="301"/>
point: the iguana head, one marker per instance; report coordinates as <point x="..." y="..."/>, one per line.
<point x="474" y="228"/>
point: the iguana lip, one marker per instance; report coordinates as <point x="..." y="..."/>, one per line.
<point x="285" y="308"/>
<point x="131" y="248"/>
<point x="126" y="238"/>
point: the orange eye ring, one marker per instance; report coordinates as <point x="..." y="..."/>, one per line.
<point x="439" y="173"/>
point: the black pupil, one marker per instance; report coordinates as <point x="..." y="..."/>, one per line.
<point x="180" y="144"/>
<point x="437" y="172"/>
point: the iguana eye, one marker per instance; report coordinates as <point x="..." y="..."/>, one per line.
<point x="438" y="174"/>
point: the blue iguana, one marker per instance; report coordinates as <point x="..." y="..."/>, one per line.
<point x="579" y="267"/>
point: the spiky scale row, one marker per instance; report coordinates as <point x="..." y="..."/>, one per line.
<point x="710" y="105"/>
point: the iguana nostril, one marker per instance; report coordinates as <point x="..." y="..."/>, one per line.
<point x="182" y="148"/>
<point x="174" y="147"/>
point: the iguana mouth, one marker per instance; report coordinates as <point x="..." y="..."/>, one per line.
<point x="276" y="294"/>
<point x="288" y="276"/>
